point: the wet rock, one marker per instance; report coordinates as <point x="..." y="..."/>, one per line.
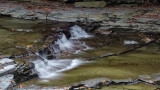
<point x="96" y="4"/>
<point x="89" y="26"/>
<point x="7" y="66"/>
<point x="7" y="82"/>
<point x="41" y="52"/>
<point x="123" y="82"/>
<point x="96" y="83"/>
<point x="151" y="79"/>
<point x="25" y="72"/>
<point x="99" y="85"/>
<point x="44" y="51"/>
<point x="50" y="57"/>
<point x="76" y="87"/>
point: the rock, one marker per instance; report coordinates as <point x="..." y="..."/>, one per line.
<point x="50" y="57"/>
<point x="28" y="16"/>
<point x="7" y="66"/>
<point x="152" y="79"/>
<point x="76" y="87"/>
<point x="25" y="72"/>
<point x="95" y="4"/>
<point x="6" y="82"/>
<point x="124" y="1"/>
<point x="96" y="83"/>
<point x="122" y="81"/>
<point x="89" y="26"/>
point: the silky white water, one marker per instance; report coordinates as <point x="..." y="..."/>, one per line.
<point x="52" y="68"/>
<point x="63" y="44"/>
<point x="78" y="33"/>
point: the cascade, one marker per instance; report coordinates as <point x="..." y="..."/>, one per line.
<point x="52" y="68"/>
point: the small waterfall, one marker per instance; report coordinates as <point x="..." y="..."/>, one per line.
<point x="62" y="44"/>
<point x="51" y="68"/>
<point x="54" y="67"/>
<point x="78" y="33"/>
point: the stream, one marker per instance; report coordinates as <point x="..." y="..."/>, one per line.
<point x="79" y="56"/>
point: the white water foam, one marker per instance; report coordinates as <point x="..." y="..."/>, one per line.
<point x="54" y="67"/>
<point x="78" y="33"/>
<point x="63" y="44"/>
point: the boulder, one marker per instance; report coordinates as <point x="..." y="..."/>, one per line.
<point x="25" y="72"/>
<point x="95" y="4"/>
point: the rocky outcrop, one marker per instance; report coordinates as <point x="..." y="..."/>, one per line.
<point x="99" y="83"/>
<point x="7" y="68"/>
<point x="63" y="14"/>
<point x="11" y="73"/>
<point x="25" y="72"/>
<point x="95" y="4"/>
<point x="89" y="26"/>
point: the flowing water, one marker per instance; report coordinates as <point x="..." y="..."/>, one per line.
<point x="74" y="67"/>
<point x="51" y="68"/>
<point x="78" y="33"/>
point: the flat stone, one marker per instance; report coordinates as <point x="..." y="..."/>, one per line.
<point x="123" y="80"/>
<point x="94" y="82"/>
<point x="150" y="78"/>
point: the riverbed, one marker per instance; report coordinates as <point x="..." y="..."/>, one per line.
<point x="134" y="53"/>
